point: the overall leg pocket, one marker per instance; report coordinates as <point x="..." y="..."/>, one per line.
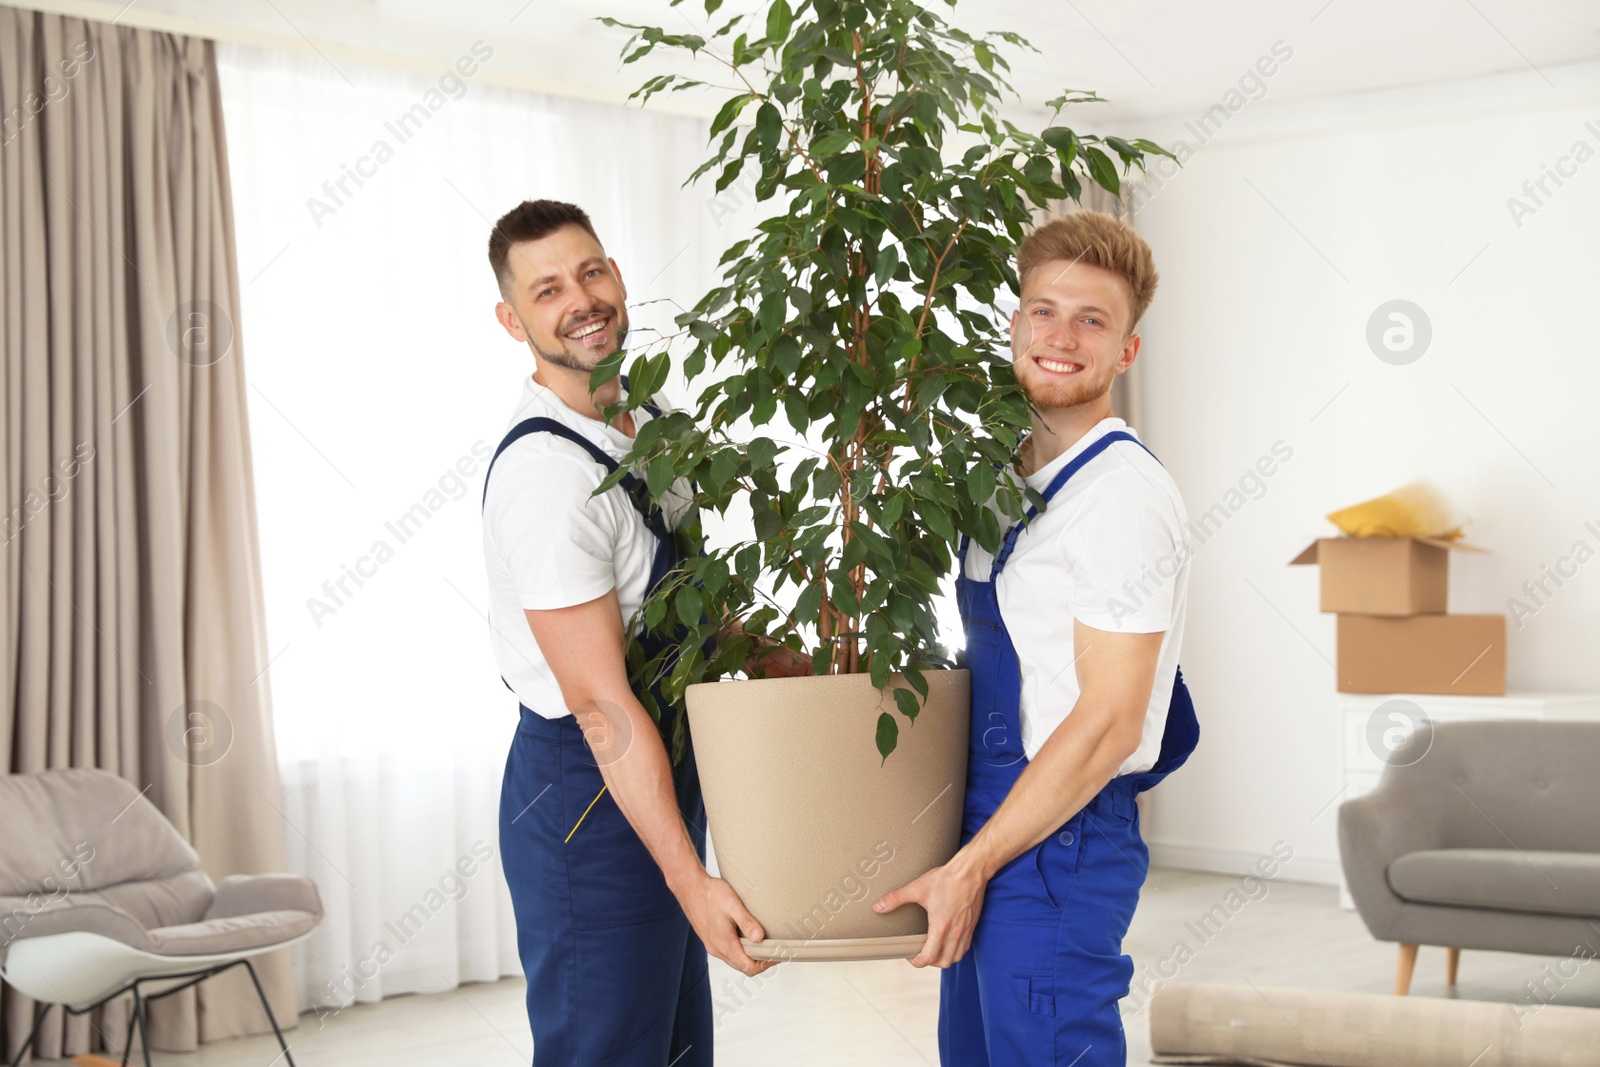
<point x="614" y="879"/>
<point x="1019" y="1017"/>
<point x="1093" y="970"/>
<point x="1058" y="859"/>
<point x="1013" y="960"/>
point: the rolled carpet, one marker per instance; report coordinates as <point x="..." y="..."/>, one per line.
<point x="1200" y="1023"/>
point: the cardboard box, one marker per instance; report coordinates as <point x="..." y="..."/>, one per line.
<point x="1394" y="576"/>
<point x="1461" y="655"/>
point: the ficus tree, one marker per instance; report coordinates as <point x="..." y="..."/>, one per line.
<point x="864" y="313"/>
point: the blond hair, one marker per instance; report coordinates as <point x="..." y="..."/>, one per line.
<point x="1100" y="240"/>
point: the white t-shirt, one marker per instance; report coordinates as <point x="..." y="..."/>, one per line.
<point x="1110" y="550"/>
<point x="548" y="544"/>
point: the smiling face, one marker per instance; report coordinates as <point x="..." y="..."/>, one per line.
<point x="1071" y="336"/>
<point x="565" y="299"/>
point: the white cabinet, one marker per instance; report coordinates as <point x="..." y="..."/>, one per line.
<point x="1373" y="728"/>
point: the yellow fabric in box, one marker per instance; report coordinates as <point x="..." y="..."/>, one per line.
<point x="1414" y="510"/>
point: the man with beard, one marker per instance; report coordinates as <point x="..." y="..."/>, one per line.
<point x="1073" y="631"/>
<point x="601" y="836"/>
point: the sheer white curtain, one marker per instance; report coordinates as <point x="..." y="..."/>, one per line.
<point x="380" y="383"/>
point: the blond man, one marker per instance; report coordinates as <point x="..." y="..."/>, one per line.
<point x="1073" y="630"/>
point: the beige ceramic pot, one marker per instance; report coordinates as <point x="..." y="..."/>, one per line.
<point x="809" y="825"/>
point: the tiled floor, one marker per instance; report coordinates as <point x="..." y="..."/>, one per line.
<point x="883" y="1014"/>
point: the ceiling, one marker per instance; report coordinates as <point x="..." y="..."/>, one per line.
<point x="1147" y="57"/>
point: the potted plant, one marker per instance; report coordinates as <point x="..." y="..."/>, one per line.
<point x="859" y="400"/>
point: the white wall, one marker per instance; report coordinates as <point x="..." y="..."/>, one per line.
<point x="1275" y="243"/>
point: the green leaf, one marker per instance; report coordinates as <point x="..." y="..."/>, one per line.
<point x="1063" y="140"/>
<point x="768" y="522"/>
<point x="724" y="467"/>
<point x="938" y="520"/>
<point x="794" y="405"/>
<point x="826" y="483"/>
<point x="714" y="575"/>
<point x="888" y="260"/>
<point x="769" y="126"/>
<point x="980" y="482"/>
<point x="1070" y="181"/>
<point x="762" y="451"/>
<point x="844" y="598"/>
<point x="909" y="705"/>
<point x="805" y="608"/>
<point x="659" y="475"/>
<point x="779" y="19"/>
<point x="646" y="377"/>
<point x="880" y="662"/>
<point x="607" y="369"/>
<point x="828" y="144"/>
<point x="748" y="563"/>
<point x="785" y="355"/>
<point x="729" y="113"/>
<point x="888" y="735"/>
<point x="689" y="605"/>
<point x="1123" y="148"/>
<point x="1102" y="170"/>
<point x="762" y="410"/>
<point x="730" y="174"/>
<point x="930" y="390"/>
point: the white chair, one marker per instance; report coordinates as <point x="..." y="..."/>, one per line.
<point x="100" y="896"/>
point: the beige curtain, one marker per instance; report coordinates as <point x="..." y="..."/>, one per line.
<point x="132" y="634"/>
<point x="1126" y="393"/>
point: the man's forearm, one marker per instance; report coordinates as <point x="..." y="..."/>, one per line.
<point x="1073" y="765"/>
<point x="633" y="761"/>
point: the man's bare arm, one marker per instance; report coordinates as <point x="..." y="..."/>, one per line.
<point x="1116" y="673"/>
<point x="585" y="650"/>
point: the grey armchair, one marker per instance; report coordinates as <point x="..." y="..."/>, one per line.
<point x="1490" y="840"/>
<point x="100" y="896"/>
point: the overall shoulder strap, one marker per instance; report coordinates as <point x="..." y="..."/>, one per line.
<point x="544" y="425"/>
<point x="1077" y="463"/>
<point x="637" y="492"/>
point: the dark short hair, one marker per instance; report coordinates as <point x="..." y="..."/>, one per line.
<point x="529" y="221"/>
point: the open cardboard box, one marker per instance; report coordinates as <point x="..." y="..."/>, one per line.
<point x="1393" y="576"/>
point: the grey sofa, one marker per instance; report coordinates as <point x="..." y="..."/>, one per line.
<point x="1489" y="840"/>
<point x="101" y="896"/>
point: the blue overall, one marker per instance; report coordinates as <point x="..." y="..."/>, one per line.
<point x="1041" y="982"/>
<point x="616" y="975"/>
